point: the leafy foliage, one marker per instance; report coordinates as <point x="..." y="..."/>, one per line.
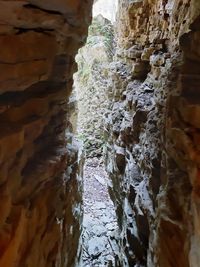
<point x="102" y="27"/>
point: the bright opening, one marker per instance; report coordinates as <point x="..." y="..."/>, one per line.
<point x="92" y="89"/>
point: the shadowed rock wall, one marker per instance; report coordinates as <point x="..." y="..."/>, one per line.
<point x="40" y="200"/>
<point x="153" y="132"/>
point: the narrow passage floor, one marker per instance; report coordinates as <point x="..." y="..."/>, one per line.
<point x="100" y="230"/>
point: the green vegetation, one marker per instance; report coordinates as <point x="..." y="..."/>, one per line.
<point x="102" y="27"/>
<point x="93" y="68"/>
<point x="84" y="71"/>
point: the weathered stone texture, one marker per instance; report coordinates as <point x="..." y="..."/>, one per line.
<point x="40" y="198"/>
<point x="153" y="132"/>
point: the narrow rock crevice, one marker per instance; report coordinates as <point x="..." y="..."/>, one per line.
<point x="138" y="112"/>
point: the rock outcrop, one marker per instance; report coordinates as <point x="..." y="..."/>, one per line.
<point x="92" y="85"/>
<point x="153" y="132"/>
<point x="40" y="198"/>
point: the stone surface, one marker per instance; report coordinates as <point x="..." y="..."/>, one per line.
<point x="152" y="131"/>
<point x="40" y="194"/>
<point x="100" y="228"/>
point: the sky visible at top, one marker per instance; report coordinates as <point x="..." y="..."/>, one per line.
<point x="107" y="8"/>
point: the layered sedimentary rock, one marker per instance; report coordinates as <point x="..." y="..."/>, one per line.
<point x="153" y="132"/>
<point x="40" y="198"/>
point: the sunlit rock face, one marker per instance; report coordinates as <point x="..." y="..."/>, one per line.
<point x="92" y="86"/>
<point x="40" y="198"/>
<point x="153" y="132"/>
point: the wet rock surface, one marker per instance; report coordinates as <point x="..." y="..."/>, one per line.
<point x="100" y="228"/>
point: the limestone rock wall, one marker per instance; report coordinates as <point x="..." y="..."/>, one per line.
<point x="153" y="132"/>
<point x="40" y="196"/>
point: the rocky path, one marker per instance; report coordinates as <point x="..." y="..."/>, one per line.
<point x="100" y="231"/>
